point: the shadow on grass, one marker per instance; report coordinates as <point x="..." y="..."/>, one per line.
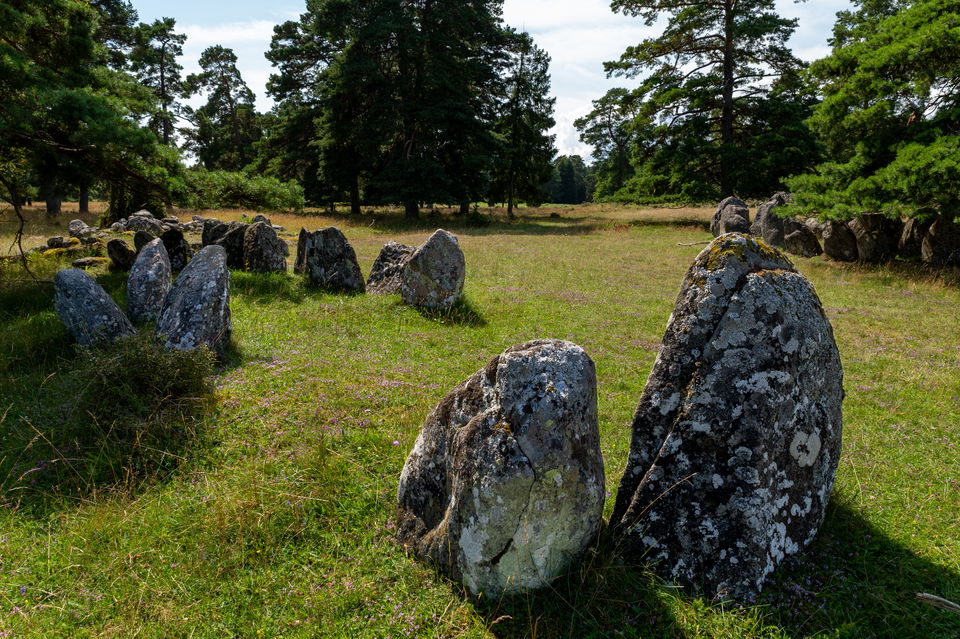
<point x="852" y="582"/>
<point x="462" y="313"/>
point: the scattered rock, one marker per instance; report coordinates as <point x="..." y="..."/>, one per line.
<point x="177" y="248"/>
<point x="56" y="242"/>
<point x="141" y="239"/>
<point x="121" y="255"/>
<point x="941" y="244"/>
<point x="144" y="221"/>
<point x="911" y="238"/>
<point x="144" y="213"/>
<point x="767" y="225"/>
<point x="327" y="260"/>
<point x="89" y="262"/>
<point x="81" y="230"/>
<point x="263" y="251"/>
<point x="262" y="218"/>
<point x="877" y="237"/>
<point x="170" y="219"/>
<point x="433" y="276"/>
<point x="802" y="242"/>
<point x="839" y="242"/>
<point x="196" y="311"/>
<point x="731" y="216"/>
<point x="737" y="435"/>
<point x="386" y="274"/>
<point x="504" y="488"/>
<point x="149" y="282"/>
<point x="86" y="309"/>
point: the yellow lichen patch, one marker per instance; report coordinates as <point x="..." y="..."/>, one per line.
<point x="504" y="427"/>
<point x="738" y="247"/>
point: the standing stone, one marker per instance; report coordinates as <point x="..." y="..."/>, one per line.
<point x="877" y="237"/>
<point x="232" y="241"/>
<point x="327" y="260"/>
<point x="816" y="226"/>
<point x="213" y="230"/>
<point x="911" y="238"/>
<point x="141" y="239"/>
<point x="386" y="274"/>
<point x="196" y="311"/>
<point x="941" y="244"/>
<point x="87" y="310"/>
<point x="802" y="242"/>
<point x="839" y="242"/>
<point x="178" y="248"/>
<point x="737" y="435"/>
<point x="731" y="216"/>
<point x="504" y="488"/>
<point x="148" y="283"/>
<point x="121" y="255"/>
<point x="767" y="225"/>
<point x="263" y="251"/>
<point x="433" y="276"/>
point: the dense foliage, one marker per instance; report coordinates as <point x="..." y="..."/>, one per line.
<point x="229" y="189"/>
<point x="890" y="116"/>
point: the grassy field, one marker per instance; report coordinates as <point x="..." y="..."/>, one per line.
<point x="260" y="504"/>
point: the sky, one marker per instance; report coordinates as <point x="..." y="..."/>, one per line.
<point x="579" y="35"/>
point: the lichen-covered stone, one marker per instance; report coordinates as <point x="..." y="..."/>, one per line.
<point x="731" y="215"/>
<point x="767" y="224"/>
<point x="196" y="311"/>
<point x="433" y="276"/>
<point x="877" y="237"/>
<point x="121" y="255"/>
<point x="941" y="244"/>
<point x="387" y="272"/>
<point x="737" y="434"/>
<point x="144" y="221"/>
<point x="839" y="242"/>
<point x="327" y="260"/>
<point x="149" y="282"/>
<point x="81" y="230"/>
<point x="504" y="488"/>
<point x="87" y="310"/>
<point x="801" y="241"/>
<point x="263" y="251"/>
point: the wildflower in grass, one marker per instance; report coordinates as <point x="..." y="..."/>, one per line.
<point x="396" y="443"/>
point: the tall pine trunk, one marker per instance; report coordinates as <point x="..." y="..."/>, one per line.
<point x="84" y="198"/>
<point x="411" y="209"/>
<point x="48" y="191"/>
<point x="355" y="195"/>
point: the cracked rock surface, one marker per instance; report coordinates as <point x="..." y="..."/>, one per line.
<point x="328" y="260"/>
<point x="196" y="311"/>
<point x="504" y="488"/>
<point x="433" y="276"/>
<point x="386" y="273"/>
<point x="737" y="434"/>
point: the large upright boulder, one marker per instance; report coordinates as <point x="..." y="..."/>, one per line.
<point x="737" y="434"/>
<point x="802" y="241"/>
<point x="213" y="230"/>
<point x="941" y="244"/>
<point x="233" y="240"/>
<point x="178" y="248"/>
<point x="839" y="242"/>
<point x="87" y="311"/>
<point x="911" y="238"/>
<point x="877" y="237"/>
<point x="386" y="276"/>
<point x="731" y="216"/>
<point x="433" y="276"/>
<point x="327" y="260"/>
<point x="149" y="282"/>
<point x="767" y="224"/>
<point x="263" y="251"/>
<point x="196" y="311"/>
<point x="504" y="488"/>
<point x="141" y="239"/>
<point x="121" y="255"/>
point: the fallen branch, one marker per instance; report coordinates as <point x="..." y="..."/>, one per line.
<point x="693" y="243"/>
<point x="938" y="602"/>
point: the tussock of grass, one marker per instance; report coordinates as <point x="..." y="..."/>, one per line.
<point x="269" y="511"/>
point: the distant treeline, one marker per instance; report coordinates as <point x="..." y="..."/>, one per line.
<point x="393" y="102"/>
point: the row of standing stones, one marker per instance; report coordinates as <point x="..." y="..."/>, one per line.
<point x="871" y="237"/>
<point x="734" y="449"/>
<point x="194" y="310"/>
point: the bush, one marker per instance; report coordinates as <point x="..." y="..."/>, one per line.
<point x="225" y="189"/>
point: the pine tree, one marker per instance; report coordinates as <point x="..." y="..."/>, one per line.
<point x="609" y="128"/>
<point x="227" y="126"/>
<point x="154" y="62"/>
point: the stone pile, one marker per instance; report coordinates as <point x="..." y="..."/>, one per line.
<point x="737" y="435"/>
<point x="504" y="488"/>
<point x="146" y="221"/>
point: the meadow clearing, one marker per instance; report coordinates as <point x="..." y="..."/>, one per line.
<point x="259" y="501"/>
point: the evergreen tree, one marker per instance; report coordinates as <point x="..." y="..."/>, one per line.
<point x="713" y="59"/>
<point x="609" y="128"/>
<point x="116" y="29"/>
<point x="524" y="163"/>
<point x="153" y="60"/>
<point x="890" y="117"/>
<point x="227" y="126"/>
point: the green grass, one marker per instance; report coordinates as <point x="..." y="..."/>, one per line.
<point x="272" y="515"/>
